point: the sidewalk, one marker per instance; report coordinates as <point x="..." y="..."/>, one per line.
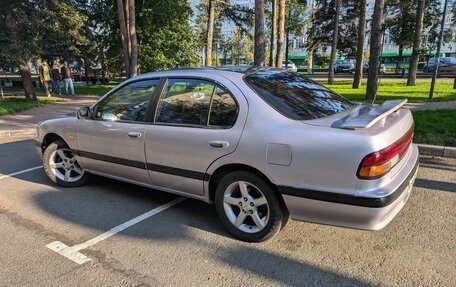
<point x="430" y="106"/>
<point x="23" y="123"/>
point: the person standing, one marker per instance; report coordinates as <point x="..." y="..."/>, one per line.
<point x="67" y="78"/>
<point x="45" y="77"/>
<point x="56" y="79"/>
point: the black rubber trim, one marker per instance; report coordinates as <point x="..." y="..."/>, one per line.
<point x="177" y="171"/>
<point x="142" y="165"/>
<point x="110" y="159"/>
<point x="349" y="199"/>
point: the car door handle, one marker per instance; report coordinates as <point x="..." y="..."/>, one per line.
<point x="134" y="135"/>
<point x="219" y="144"/>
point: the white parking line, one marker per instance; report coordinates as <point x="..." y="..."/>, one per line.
<point x="73" y="253"/>
<point x="20" y="172"/>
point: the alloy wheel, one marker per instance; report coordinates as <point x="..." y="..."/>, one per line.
<point x="246" y="207"/>
<point x="64" y="166"/>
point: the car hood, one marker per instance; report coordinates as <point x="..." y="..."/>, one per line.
<point x="65" y="118"/>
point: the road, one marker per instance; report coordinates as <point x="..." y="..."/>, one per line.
<point x="185" y="245"/>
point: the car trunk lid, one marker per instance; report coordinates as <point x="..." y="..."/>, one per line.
<point x="362" y="116"/>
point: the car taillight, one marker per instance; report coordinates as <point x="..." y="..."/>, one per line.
<point x="378" y="163"/>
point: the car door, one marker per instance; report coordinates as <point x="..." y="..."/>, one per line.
<point x="112" y="141"/>
<point x="196" y="122"/>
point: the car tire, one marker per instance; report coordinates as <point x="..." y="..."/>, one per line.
<point x="61" y="167"/>
<point x="263" y="211"/>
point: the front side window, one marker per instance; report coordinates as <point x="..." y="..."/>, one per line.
<point x="295" y="96"/>
<point x="129" y="103"/>
<point x="196" y="102"/>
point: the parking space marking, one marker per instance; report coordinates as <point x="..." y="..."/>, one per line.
<point x="20" y="172"/>
<point x="73" y="253"/>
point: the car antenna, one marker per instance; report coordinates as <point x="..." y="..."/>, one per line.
<point x="378" y="84"/>
<point x="380" y="62"/>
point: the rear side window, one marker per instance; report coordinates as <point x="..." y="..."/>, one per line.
<point x="195" y="102"/>
<point x="223" y="109"/>
<point x="295" y="96"/>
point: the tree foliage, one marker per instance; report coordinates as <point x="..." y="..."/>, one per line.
<point x="320" y="32"/>
<point x="166" y="37"/>
<point x="400" y="18"/>
<point x="225" y="11"/>
<point x="52" y="28"/>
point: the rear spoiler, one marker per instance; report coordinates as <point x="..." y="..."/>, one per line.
<point x="364" y="116"/>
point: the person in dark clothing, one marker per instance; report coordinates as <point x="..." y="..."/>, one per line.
<point x="67" y="78"/>
<point x="56" y="80"/>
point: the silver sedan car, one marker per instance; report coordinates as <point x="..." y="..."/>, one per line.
<point x="261" y="144"/>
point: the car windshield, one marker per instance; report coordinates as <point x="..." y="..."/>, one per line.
<point x="295" y="96"/>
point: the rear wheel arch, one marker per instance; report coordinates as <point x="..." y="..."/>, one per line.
<point x="223" y="170"/>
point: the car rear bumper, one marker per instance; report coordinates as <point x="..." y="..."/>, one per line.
<point x="351" y="211"/>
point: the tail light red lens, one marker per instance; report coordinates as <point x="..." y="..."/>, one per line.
<point x="379" y="163"/>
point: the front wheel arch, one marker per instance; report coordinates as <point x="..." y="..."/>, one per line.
<point x="50" y="138"/>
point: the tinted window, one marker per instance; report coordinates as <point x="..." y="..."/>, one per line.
<point x="185" y="101"/>
<point x="295" y="96"/>
<point x="223" y="109"/>
<point x="128" y="103"/>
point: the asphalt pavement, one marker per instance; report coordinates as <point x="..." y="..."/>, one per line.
<point x="186" y="245"/>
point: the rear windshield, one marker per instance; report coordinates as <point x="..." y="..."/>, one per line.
<point x="295" y="96"/>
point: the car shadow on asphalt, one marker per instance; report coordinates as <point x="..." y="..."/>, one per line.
<point x="97" y="206"/>
<point x="284" y="270"/>
<point x="435" y="184"/>
<point x="104" y="203"/>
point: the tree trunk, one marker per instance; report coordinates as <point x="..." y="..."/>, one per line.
<point x="29" y="90"/>
<point x="210" y="33"/>
<point x="375" y="49"/>
<point x="310" y="61"/>
<point x="127" y="26"/>
<point x="258" y="58"/>
<point x="281" y="33"/>
<point x="287" y="39"/>
<point x="311" y="50"/>
<point x="416" y="44"/>
<point x="360" y="45"/>
<point x="334" y="44"/>
<point x="24" y="69"/>
<point x="273" y="45"/>
<point x="86" y="71"/>
<point x="133" y="40"/>
<point x="399" y="60"/>
<point x="123" y="36"/>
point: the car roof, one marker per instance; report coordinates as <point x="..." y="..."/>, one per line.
<point x="226" y="71"/>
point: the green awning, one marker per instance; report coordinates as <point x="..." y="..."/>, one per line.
<point x="407" y="54"/>
<point x="297" y="57"/>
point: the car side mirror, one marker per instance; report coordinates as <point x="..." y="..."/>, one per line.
<point x="84" y="113"/>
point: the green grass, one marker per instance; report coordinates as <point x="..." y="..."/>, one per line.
<point x="93" y="90"/>
<point x="435" y="127"/>
<point x="394" y="90"/>
<point x="15" y="104"/>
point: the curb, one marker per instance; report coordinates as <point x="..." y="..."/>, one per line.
<point x="433" y="150"/>
<point x="16" y="133"/>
